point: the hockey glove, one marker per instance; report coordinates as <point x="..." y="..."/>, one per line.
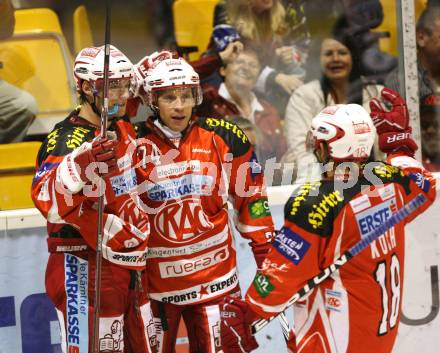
<point x="392" y="126"/>
<point x="79" y="167"/>
<point x="260" y="252"/>
<point x="235" y="328"/>
<point x="100" y="151"/>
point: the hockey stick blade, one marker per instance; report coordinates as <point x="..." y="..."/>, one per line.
<point x="397" y="217"/>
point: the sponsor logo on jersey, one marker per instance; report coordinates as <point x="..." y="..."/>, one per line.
<point x="203" y="291"/>
<point x="177" y="168"/>
<point x="259" y="208"/>
<point x="373" y="217"/>
<point x="129" y="259"/>
<point x="77" y="137"/>
<point x="386" y="171"/>
<point x="421" y="181"/>
<point x="201" y="150"/>
<point x="51" y="140"/>
<point x="291" y="245"/>
<point x="44" y="168"/>
<point x="387" y="192"/>
<point x="160" y="252"/>
<point x="360" y="203"/>
<point x="321" y="210"/>
<point x="212" y="122"/>
<point x="190" y="184"/>
<point x="122" y="184"/>
<point x="333" y="300"/>
<point x="124" y="162"/>
<point x="182" y="221"/>
<point x="189" y="266"/>
<point x="302" y="194"/>
<point x="111" y="334"/>
<point x="77" y="305"/>
<point x="262" y="285"/>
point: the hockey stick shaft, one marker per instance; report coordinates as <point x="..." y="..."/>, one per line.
<point x="100" y="226"/>
<point x="397" y="217"/>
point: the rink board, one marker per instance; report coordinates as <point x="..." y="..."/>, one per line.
<point x="28" y="321"/>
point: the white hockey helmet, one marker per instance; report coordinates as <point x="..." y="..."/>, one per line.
<point x="347" y="129"/>
<point x="172" y="74"/>
<point x="141" y="69"/>
<point x="89" y="66"/>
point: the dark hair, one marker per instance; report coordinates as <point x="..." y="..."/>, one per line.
<point x="343" y="33"/>
<point x="427" y="19"/>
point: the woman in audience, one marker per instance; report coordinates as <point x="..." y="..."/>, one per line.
<point x="340" y="83"/>
<point x="236" y="97"/>
<point x="280" y="33"/>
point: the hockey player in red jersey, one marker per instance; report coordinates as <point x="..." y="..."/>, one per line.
<point x="191" y="168"/>
<point x="70" y="161"/>
<point x="357" y="309"/>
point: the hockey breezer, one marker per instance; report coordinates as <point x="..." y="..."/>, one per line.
<point x="399" y="216"/>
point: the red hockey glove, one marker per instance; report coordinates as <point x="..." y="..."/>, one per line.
<point x="260" y="252"/>
<point x="99" y="150"/>
<point x="393" y="126"/>
<point x="235" y="328"/>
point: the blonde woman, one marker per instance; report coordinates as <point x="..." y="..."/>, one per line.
<point x="275" y="29"/>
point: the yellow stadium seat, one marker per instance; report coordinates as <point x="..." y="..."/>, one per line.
<point x="82" y="34"/>
<point x="193" y="21"/>
<point x="389" y="24"/>
<point x="37" y="60"/>
<point x="17" y="168"/>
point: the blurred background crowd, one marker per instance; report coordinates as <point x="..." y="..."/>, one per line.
<point x="268" y="65"/>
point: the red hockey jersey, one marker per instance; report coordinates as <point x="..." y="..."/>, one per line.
<point x="185" y="190"/>
<point x="72" y="217"/>
<point x="357" y="309"/>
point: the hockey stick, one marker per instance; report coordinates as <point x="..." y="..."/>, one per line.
<point x="99" y="233"/>
<point x="397" y="217"/>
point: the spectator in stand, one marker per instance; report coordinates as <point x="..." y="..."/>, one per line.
<point x="428" y="54"/>
<point x="274" y="29"/>
<point x="236" y="97"/>
<point x="430" y="128"/>
<point x="17" y="107"/>
<point x="340" y="84"/>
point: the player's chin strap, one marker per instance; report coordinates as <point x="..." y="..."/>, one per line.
<point x="366" y="240"/>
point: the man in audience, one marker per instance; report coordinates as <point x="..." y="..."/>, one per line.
<point x="236" y="97"/>
<point x="17" y="107"/>
<point x="428" y="53"/>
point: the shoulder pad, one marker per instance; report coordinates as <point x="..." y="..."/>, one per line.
<point x="64" y="138"/>
<point x="387" y="173"/>
<point x="230" y="133"/>
<point x="315" y="206"/>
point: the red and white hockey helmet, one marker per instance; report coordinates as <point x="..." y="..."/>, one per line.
<point x="347" y="129"/>
<point x="89" y="66"/>
<point x="172" y="74"/>
<point x="141" y="69"/>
